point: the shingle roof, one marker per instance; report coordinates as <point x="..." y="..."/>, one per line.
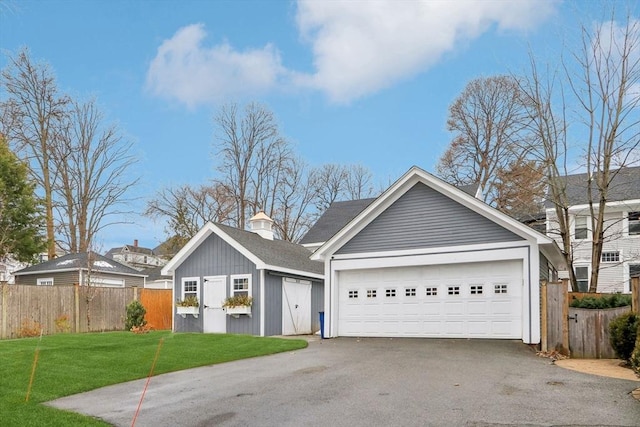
<point x="131" y="249"/>
<point x="625" y="185"/>
<point x="337" y="215"/>
<point x="277" y="253"/>
<point x="79" y="261"/>
<point x="155" y="273"/>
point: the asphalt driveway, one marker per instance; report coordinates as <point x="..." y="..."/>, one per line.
<point x="373" y="382"/>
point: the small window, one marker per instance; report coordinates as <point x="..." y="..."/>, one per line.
<point x="453" y="290"/>
<point x="582" y="232"/>
<point x="582" y="278"/>
<point x="390" y="292"/>
<point x="190" y="287"/>
<point x="410" y="292"/>
<point x="241" y="285"/>
<point x="611" y="256"/>
<point x="431" y="292"/>
<point x="500" y="289"/>
<point x="145" y="259"/>
<point x="45" y="281"/>
<point x="371" y="293"/>
<point x="634" y="223"/>
<point x="353" y="294"/>
<point x="476" y="289"/>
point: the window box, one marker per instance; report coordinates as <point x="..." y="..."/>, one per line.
<point x="238" y="310"/>
<point x="183" y="311"/>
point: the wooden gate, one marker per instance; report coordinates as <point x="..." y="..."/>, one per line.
<point x="589" y="332"/>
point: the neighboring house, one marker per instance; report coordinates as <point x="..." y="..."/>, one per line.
<point x="8" y="266"/>
<point x="426" y="259"/>
<point x="222" y="261"/>
<point x="621" y="251"/>
<point x="82" y="268"/>
<point x="136" y="256"/>
<point x="156" y="280"/>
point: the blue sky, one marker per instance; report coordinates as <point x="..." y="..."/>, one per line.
<point x="366" y="82"/>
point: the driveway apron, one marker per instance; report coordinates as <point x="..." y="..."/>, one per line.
<point x="372" y="382"/>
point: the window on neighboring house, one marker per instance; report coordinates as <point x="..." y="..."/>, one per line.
<point x="241" y="285"/>
<point x="190" y="287"/>
<point x="145" y="259"/>
<point x="634" y="223"/>
<point x="582" y="278"/>
<point x="126" y="257"/>
<point x="581" y="231"/>
<point x="45" y="281"/>
<point x="610" y="256"/>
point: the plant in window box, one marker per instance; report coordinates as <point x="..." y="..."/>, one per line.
<point x="238" y="304"/>
<point x="189" y="305"/>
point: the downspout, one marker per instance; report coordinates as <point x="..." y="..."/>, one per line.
<point x="262" y="314"/>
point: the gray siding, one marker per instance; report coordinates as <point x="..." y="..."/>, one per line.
<point x="425" y="218"/>
<point x="215" y="257"/>
<point x="317" y="304"/>
<point x="544" y="268"/>
<point x="65" y="278"/>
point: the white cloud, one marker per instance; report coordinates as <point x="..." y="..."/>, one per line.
<point x="362" y="47"/>
<point x="193" y="74"/>
<point x="359" y="47"/>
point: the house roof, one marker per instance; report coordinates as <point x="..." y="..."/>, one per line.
<point x="625" y="185"/>
<point x="155" y="273"/>
<point x="129" y="249"/>
<point x="80" y="261"/>
<point x="274" y="255"/>
<point x="408" y="180"/>
<point x="338" y="214"/>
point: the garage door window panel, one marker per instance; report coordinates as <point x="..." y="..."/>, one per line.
<point x="475" y="290"/>
<point x="410" y="292"/>
<point x="453" y="290"/>
<point x="353" y="294"/>
<point x="431" y="292"/>
<point x="372" y="293"/>
<point x="500" y="289"/>
<point x="390" y="292"/>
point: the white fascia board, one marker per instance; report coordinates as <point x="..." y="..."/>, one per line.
<point x="438" y="250"/>
<point x="395" y="191"/>
<point x="31" y="273"/>
<point x="617" y="204"/>
<point x="293" y="272"/>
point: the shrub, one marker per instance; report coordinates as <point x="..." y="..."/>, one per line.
<point x="29" y="328"/>
<point x="62" y="323"/>
<point x="623" y="331"/>
<point x="635" y="356"/>
<point x="190" y="301"/>
<point x="609" y="301"/>
<point x="135" y="315"/>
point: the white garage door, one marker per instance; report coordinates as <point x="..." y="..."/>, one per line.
<point x="477" y="300"/>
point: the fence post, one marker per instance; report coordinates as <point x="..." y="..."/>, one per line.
<point x="76" y="295"/>
<point x="635" y="294"/>
<point x="135" y="293"/>
<point x="565" y="317"/>
<point x="544" y="327"/>
<point x="5" y="290"/>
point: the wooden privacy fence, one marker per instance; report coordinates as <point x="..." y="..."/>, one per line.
<point x="158" y="303"/>
<point x="580" y="333"/>
<point x="25" y="310"/>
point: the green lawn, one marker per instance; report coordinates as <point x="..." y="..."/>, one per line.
<point x="73" y="363"/>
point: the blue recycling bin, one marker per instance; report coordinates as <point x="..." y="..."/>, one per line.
<point x="321" y="324"/>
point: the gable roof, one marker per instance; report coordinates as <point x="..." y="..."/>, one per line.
<point x="338" y="214"/>
<point x="129" y="249"/>
<point x="405" y="183"/>
<point x="80" y="261"/>
<point x="155" y="273"/>
<point x="274" y="255"/>
<point x="625" y="185"/>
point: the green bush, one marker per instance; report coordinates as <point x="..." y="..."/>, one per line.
<point x="610" y="301"/>
<point x="135" y="315"/>
<point x="623" y="332"/>
<point x="635" y="356"/>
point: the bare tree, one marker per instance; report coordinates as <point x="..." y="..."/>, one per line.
<point x="93" y="163"/>
<point x="252" y="156"/>
<point x="188" y="208"/>
<point x="603" y="81"/>
<point x="31" y="118"/>
<point x="520" y="189"/>
<point x="488" y="121"/>
<point x="608" y="92"/>
<point x="335" y="182"/>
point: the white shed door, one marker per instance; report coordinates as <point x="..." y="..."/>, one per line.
<point x="296" y="307"/>
<point x="214" y="293"/>
<point x="475" y="300"/>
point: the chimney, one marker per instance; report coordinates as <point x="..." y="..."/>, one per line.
<point x="262" y="225"/>
<point x="135" y="243"/>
